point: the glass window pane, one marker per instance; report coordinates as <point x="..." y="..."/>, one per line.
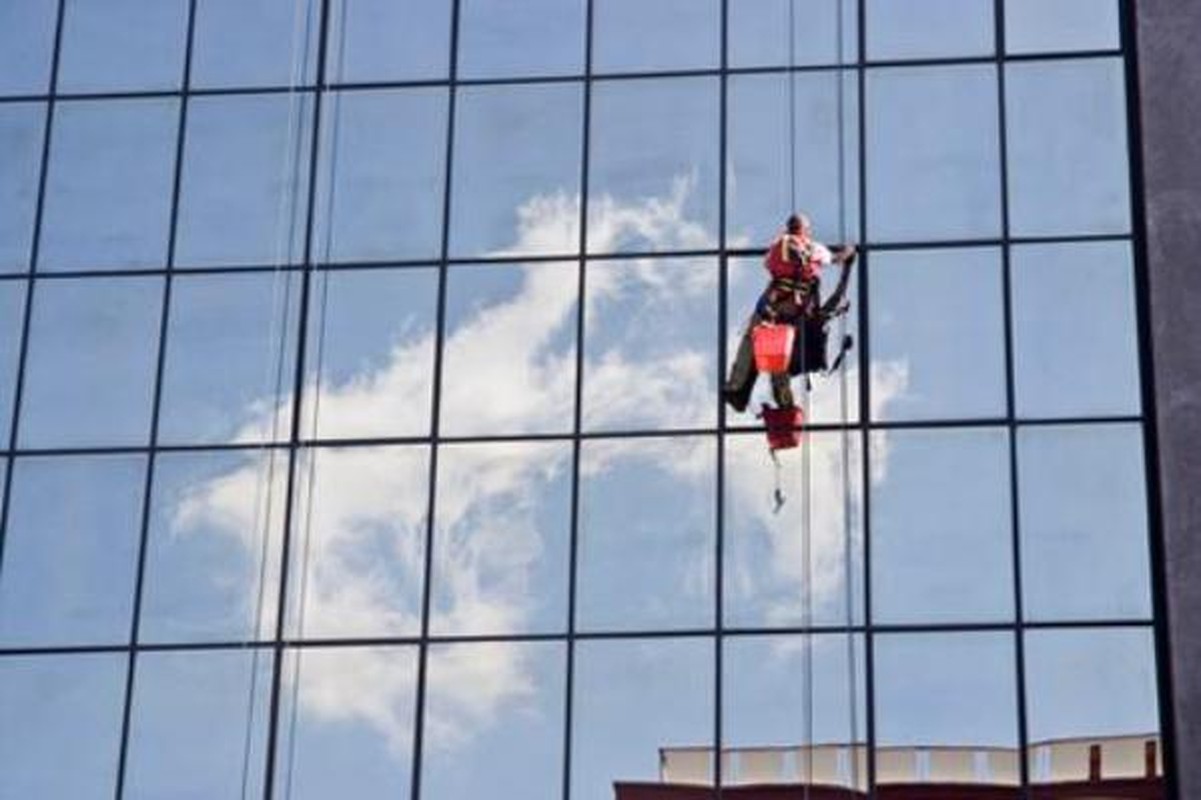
<point x="89" y="373"/>
<point x="12" y="315"/>
<point x="358" y="544"/>
<point x="346" y="722"/>
<point x="650" y="358"/>
<point x="654" y="165"/>
<point x="1075" y="338"/>
<point x="113" y="45"/>
<point x="945" y="492"/>
<point x="510" y="349"/>
<point x="26" y="45"/>
<point x="1094" y="692"/>
<point x="255" y="43"/>
<point x="760" y="166"/>
<point x="381" y="175"/>
<point x="108" y="193"/>
<point x="386" y="40"/>
<point x="199" y="720"/>
<point x="21" y="133"/>
<point x="502" y="537"/>
<point x="938" y="692"/>
<point x="824" y="403"/>
<point x="1033" y="26"/>
<point x="71" y="550"/>
<point x="646" y="538"/>
<point x="767" y="738"/>
<point x="937" y="334"/>
<point x="900" y="29"/>
<point x="370" y="359"/>
<point x="533" y="37"/>
<point x="1084" y="523"/>
<point x="244" y="184"/>
<point x="517" y="170"/>
<point x="765" y="571"/>
<point x="758" y="32"/>
<point x="666" y="686"/>
<point x="69" y="711"/>
<point x="1068" y="156"/>
<point x="231" y="357"/>
<point x="494" y="721"/>
<point x="933" y="168"/>
<point x="212" y="550"/>
<point x="649" y="35"/>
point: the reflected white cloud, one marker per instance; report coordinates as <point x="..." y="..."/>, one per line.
<point x="369" y="557"/>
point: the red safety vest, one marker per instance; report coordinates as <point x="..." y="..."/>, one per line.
<point x="779" y="261"/>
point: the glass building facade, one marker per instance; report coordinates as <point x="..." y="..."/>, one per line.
<point x="362" y="436"/>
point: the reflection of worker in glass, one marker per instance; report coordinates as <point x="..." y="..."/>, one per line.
<point x="793" y="297"/>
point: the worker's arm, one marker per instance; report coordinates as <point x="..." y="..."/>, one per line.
<point x="845" y="256"/>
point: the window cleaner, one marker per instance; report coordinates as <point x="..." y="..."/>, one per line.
<point x="787" y="334"/>
<point x="791" y="302"/>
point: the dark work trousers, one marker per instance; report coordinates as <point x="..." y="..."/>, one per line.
<point x="808" y="355"/>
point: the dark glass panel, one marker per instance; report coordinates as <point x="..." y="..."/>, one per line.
<point x="199" y="725"/>
<point x="108" y="192"/>
<point x="646" y="537"/>
<point x="71" y="550"/>
<point x="89" y="373"/>
<point x="62" y="729"/>
<point x="642" y="712"/>
<point x="121" y="45"/>
<point x="494" y="721"/>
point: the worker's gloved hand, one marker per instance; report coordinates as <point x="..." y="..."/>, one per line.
<point x="849" y="253"/>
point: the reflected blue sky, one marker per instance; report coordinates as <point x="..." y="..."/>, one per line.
<point x="1034" y="26"/>
<point x="534" y="37"/>
<point x="941" y="534"/>
<point x="933" y="153"/>
<point x="501" y="520"/>
<point x="242" y="160"/>
<point x="386" y="40"/>
<point x="903" y="29"/>
<point x="71" y="550"/>
<point x="655" y="35"/>
<point x="759" y="36"/>
<point x="386" y="151"/>
<point x="937" y="688"/>
<point x="123" y="44"/>
<point x="190" y="724"/>
<point x="26" y="38"/>
<point x="108" y="194"/>
<point x="20" y="136"/>
<point x="71" y="712"/>
<point x="512" y="144"/>
<point x="89" y="377"/>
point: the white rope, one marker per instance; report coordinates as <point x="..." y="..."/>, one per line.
<point x="319" y="362"/>
<point x="286" y="221"/>
<point x="844" y="435"/>
<point x="806" y="406"/>
<point x="806" y="455"/>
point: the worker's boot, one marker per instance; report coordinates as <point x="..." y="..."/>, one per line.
<point x="740" y="383"/>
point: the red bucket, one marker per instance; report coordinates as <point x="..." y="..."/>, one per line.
<point x="773" y="347"/>
<point x="783" y="427"/>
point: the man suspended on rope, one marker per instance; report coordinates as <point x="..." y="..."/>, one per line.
<point x="794" y="261"/>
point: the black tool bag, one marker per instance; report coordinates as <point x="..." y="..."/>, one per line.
<point x="809" y="353"/>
